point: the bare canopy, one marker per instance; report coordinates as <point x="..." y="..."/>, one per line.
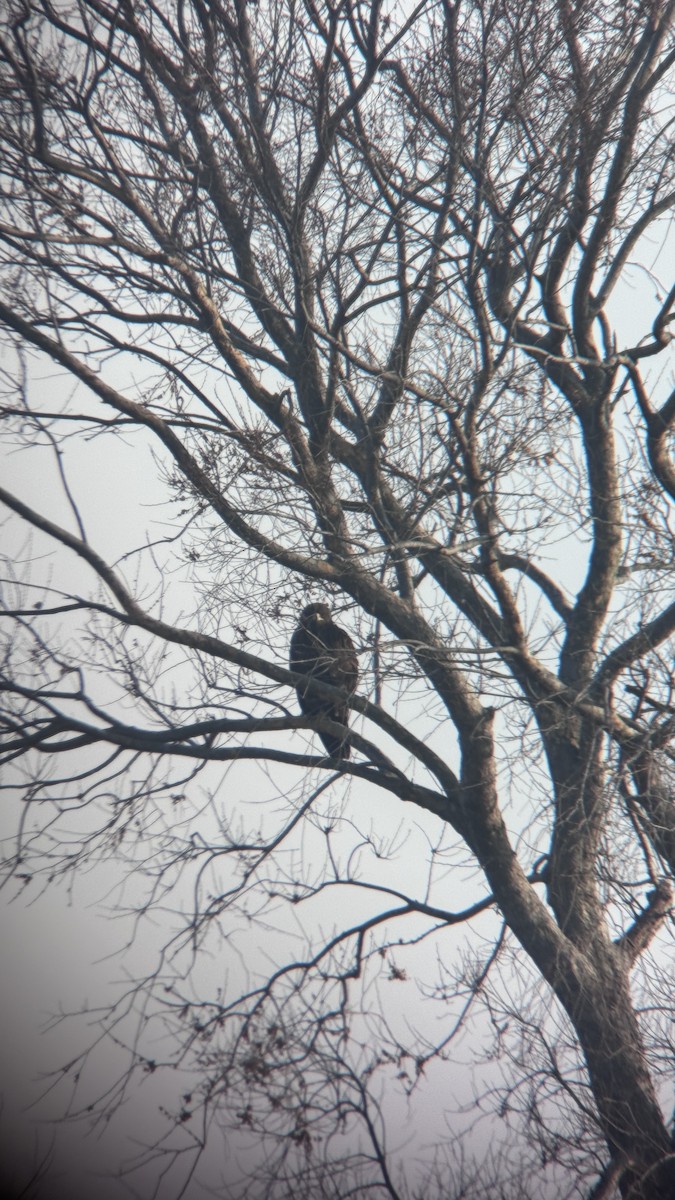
<point x="362" y="304"/>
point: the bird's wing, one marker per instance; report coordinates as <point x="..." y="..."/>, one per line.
<point x="302" y="651"/>
<point x="344" y="663"/>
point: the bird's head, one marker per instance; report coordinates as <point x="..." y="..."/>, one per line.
<point x="315" y="614"/>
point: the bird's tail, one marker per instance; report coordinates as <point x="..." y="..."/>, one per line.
<point x="337" y="747"/>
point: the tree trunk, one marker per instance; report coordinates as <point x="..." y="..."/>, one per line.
<point x="588" y="972"/>
<point x="604" y="1019"/>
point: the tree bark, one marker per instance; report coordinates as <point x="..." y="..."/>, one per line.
<point x="603" y="1017"/>
<point x="587" y="971"/>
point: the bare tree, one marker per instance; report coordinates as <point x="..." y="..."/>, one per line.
<point x="378" y="284"/>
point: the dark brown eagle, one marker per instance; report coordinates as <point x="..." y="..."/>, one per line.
<point x="322" y="650"/>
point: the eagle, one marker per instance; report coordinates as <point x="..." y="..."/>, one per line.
<point x="323" y="651"/>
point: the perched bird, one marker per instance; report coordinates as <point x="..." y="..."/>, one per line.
<point x="323" y="651"/>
